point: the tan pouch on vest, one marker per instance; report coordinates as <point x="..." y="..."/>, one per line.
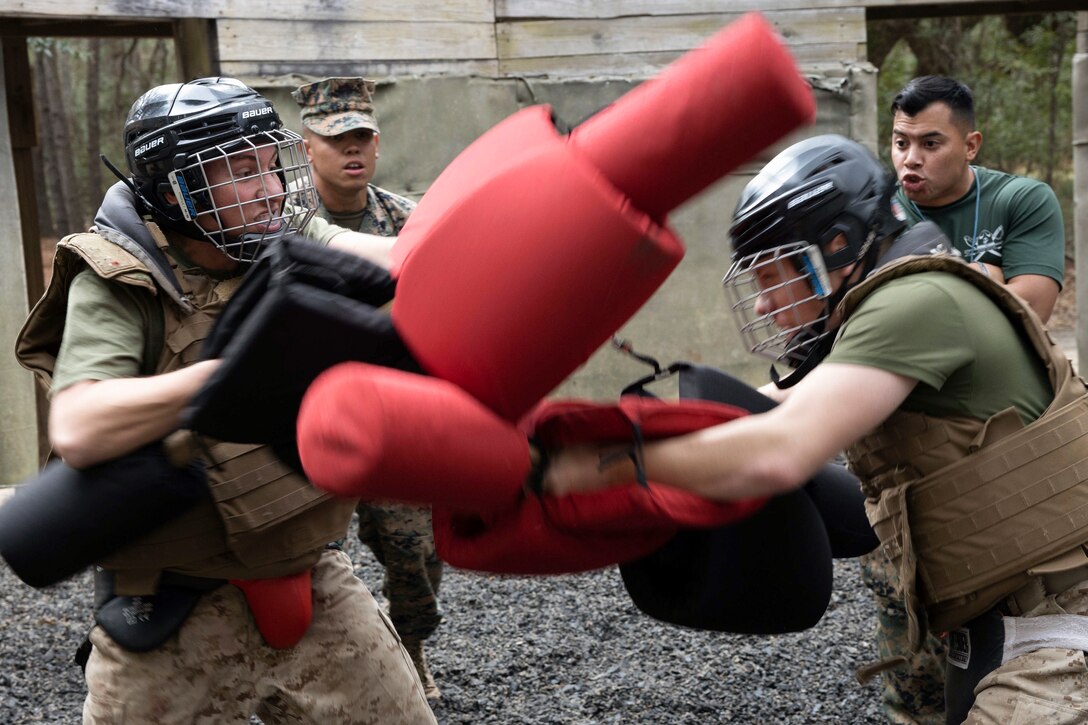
<point x="969" y="533"/>
<point x="973" y="529"/>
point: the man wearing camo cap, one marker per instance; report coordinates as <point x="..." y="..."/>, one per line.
<point x="341" y="134"/>
<point x="342" y="137"/>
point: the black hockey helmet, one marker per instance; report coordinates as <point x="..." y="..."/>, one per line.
<point x="174" y="131"/>
<point x="787" y="216"/>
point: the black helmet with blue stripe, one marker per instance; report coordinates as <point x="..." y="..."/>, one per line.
<point x="175" y="131"/>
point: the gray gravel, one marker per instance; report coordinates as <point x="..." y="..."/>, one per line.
<point x="520" y="650"/>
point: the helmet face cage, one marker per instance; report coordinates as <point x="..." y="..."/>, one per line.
<point x="818" y="190"/>
<point x="278" y="197"/>
<point x="797" y="277"/>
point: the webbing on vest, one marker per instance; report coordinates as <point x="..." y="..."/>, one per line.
<point x="966" y="508"/>
<point x="264" y="519"/>
<point x="252" y="491"/>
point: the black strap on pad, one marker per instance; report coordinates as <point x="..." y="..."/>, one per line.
<point x="974" y="651"/>
<point x="834" y="490"/>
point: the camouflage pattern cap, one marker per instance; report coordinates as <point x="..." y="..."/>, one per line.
<point x="337" y="105"/>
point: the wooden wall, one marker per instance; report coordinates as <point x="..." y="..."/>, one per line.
<point x="489" y="38"/>
<point x="271" y="43"/>
<point x="512" y="38"/>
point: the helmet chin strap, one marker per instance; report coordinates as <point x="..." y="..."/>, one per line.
<point x="125" y="180"/>
<point x="262" y="241"/>
<point x="816" y="353"/>
<point x="239" y="244"/>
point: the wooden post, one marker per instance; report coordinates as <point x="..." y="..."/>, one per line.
<point x="1080" y="181"/>
<point x="196" y="48"/>
<point x="19" y="423"/>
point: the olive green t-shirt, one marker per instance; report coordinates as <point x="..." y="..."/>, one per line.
<point x="321" y="230"/>
<point x="106" y="332"/>
<point x="941" y="330"/>
<point x="110" y="328"/>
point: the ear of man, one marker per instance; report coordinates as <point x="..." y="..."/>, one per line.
<point x="973" y="142"/>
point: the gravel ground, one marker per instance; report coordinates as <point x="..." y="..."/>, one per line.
<point x="520" y="651"/>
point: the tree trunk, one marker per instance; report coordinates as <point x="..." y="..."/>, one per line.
<point x="1059" y="38"/>
<point x="46" y="224"/>
<point x="93" y="115"/>
<point x="121" y="61"/>
<point x="55" y="217"/>
<point x="63" y="177"/>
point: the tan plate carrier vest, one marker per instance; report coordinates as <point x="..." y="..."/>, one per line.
<point x="971" y="511"/>
<point x="263" y="520"/>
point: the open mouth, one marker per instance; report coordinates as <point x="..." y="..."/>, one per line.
<point x="912" y="182"/>
<point x="264" y="224"/>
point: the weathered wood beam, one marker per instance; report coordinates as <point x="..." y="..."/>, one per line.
<point x="309" y="41"/>
<point x="888" y="9"/>
<point x="196" y="48"/>
<point x="342" y="10"/>
<point x="85" y="28"/>
<point x="656" y="34"/>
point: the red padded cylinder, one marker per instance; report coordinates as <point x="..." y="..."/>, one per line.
<point x="282" y="606"/>
<point x="371" y="432"/>
<point x="532" y="248"/>
<point x="520" y="280"/>
<point x="703" y="116"/>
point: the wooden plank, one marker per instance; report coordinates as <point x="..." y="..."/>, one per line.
<point x="540" y="9"/>
<point x="278" y="74"/>
<point x="813" y="59"/>
<point x="342" y="10"/>
<point x="82" y="28"/>
<point x="490" y="10"/>
<point x="20" y="129"/>
<point x="557" y="9"/>
<point x="446" y="11"/>
<point x="309" y="41"/>
<point x="548" y="38"/>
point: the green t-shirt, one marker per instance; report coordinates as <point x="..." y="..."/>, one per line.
<point x="1020" y="226"/>
<point x="106" y="332"/>
<point x="384" y="215"/>
<point x="320" y="230"/>
<point x="111" y="329"/>
<point x="944" y="332"/>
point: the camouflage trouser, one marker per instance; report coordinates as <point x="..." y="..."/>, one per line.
<point x="912" y="692"/>
<point x="402" y="539"/>
<point x="1045" y="686"/>
<point x="349" y="667"/>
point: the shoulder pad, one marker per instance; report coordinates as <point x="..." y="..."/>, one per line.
<point x="103" y="256"/>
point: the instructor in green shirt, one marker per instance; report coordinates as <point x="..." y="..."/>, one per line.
<point x="1010" y="224"/>
<point x="1007" y="226"/>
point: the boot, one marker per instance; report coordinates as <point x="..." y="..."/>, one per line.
<point x="415" y="651"/>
